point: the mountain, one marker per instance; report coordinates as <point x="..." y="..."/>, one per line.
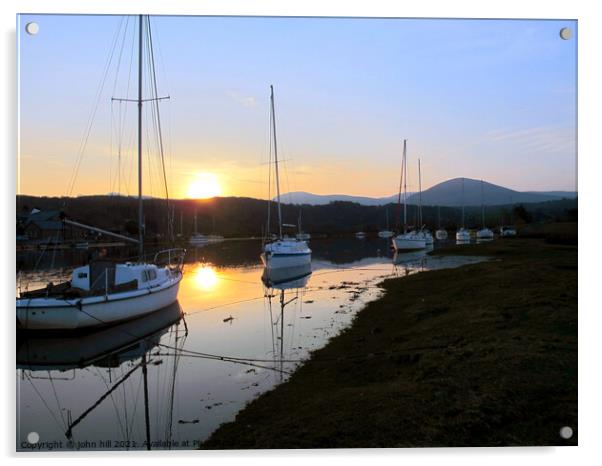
<point x="448" y="193"/>
<point x="558" y="194"/>
<point x="301" y="197"/>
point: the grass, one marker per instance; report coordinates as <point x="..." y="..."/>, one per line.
<point x="482" y="355"/>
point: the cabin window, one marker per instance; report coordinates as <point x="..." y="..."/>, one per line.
<point x="82" y="275"/>
<point x="148" y="275"/>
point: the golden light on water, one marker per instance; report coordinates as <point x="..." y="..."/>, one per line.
<point x="205" y="277"/>
<point x="204" y="186"/>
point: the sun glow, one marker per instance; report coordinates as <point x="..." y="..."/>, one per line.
<point x="204" y="186"/>
<point x="205" y="277"/>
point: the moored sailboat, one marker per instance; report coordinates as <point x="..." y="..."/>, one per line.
<point x="462" y="235"/>
<point x="441" y="233"/>
<point x="386" y="233"/>
<point x="484" y="234"/>
<point x="424" y="232"/>
<point x="406" y="240"/>
<point x="102" y="292"/>
<point x="282" y="252"/>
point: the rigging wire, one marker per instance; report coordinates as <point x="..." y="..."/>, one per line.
<point x="88" y="127"/>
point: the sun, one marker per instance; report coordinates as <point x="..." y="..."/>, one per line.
<point x="204" y="186"/>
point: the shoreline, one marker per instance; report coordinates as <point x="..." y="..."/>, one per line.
<point x="481" y="355"/>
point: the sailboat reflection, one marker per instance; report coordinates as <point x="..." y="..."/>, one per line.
<point x="288" y="284"/>
<point x="408" y="262"/>
<point x="126" y="346"/>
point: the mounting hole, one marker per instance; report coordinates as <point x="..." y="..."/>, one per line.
<point x="33" y="437"/>
<point x="566" y="33"/>
<point x="566" y="432"/>
<point x="32" y="28"/>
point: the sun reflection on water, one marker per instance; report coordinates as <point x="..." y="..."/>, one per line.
<point x="205" y="277"/>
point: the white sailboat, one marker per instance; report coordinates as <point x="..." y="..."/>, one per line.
<point x="102" y="292"/>
<point x="407" y="240"/>
<point x="441" y="233"/>
<point x="282" y="252"/>
<point x="484" y="234"/>
<point x="198" y="239"/>
<point x="462" y="235"/>
<point x="424" y="232"/>
<point x="301" y="235"/>
<point x="386" y="233"/>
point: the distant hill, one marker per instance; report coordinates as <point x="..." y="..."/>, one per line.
<point x="243" y="217"/>
<point x="448" y="193"/>
<point x="301" y="197"/>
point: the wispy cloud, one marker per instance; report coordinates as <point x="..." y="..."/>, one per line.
<point x="536" y="139"/>
<point x="245" y="101"/>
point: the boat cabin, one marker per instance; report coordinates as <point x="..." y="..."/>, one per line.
<point x="102" y="275"/>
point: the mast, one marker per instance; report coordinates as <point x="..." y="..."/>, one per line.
<point x="276" y="163"/>
<point x="419" y="195"/>
<point x="462" y="202"/>
<point x="482" y="206"/>
<point x="404" y="171"/>
<point x="140" y="203"/>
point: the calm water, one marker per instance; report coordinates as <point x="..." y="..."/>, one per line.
<point x="175" y="378"/>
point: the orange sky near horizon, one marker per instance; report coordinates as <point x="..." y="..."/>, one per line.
<point x="469" y="96"/>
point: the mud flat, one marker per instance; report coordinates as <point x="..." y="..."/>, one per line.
<point x="481" y="355"/>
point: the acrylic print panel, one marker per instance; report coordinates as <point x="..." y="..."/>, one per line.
<point x="263" y="232"/>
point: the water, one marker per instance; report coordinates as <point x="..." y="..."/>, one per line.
<point x="236" y="339"/>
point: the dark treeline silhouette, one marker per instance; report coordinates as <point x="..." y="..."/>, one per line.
<point x="245" y="217"/>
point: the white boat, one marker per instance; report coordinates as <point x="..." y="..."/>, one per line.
<point x="428" y="237"/>
<point x="484" y="234"/>
<point x="424" y="232"/>
<point x="441" y="233"/>
<point x="282" y="252"/>
<point x="462" y="235"/>
<point x="408" y="240"/>
<point x="386" y="233"/>
<point x="301" y="235"/>
<point x="103" y="293"/>
<point x="360" y="235"/>
<point x="200" y="239"/>
<point x="507" y="231"/>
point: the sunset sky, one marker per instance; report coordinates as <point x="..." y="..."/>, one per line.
<point x="485" y="99"/>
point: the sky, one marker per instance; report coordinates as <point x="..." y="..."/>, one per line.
<point x="483" y="99"/>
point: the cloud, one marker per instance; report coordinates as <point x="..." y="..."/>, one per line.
<point x="537" y="139"/>
<point x="245" y="101"/>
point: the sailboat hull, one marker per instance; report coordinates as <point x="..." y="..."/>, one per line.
<point x="275" y="261"/>
<point x="408" y="244"/>
<point x="95" y="311"/>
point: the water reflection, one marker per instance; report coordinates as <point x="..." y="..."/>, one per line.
<point x="205" y="277"/>
<point x="244" y="332"/>
<point x="126" y="353"/>
<point x="107" y="347"/>
<point x="294" y="280"/>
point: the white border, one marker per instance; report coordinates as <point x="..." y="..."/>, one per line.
<point x="590" y="132"/>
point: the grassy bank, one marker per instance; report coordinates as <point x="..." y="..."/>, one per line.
<point x="483" y="355"/>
